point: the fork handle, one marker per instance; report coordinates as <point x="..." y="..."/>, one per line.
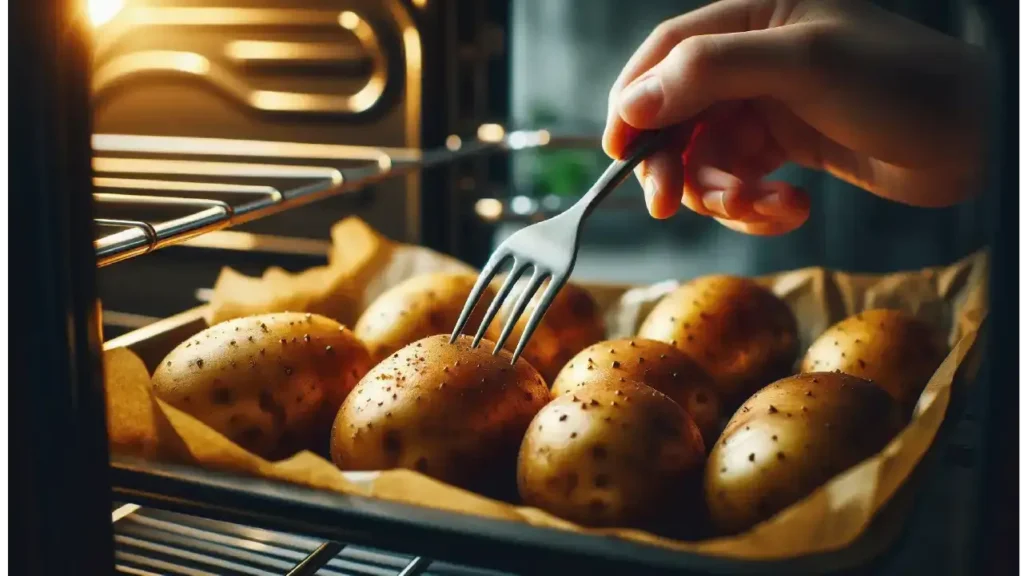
<point x="642" y="146"/>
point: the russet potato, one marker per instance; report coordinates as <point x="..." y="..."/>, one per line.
<point x="449" y="411"/>
<point x="271" y="383"/>
<point x="790" y="438"/>
<point x="571" y="323"/>
<point x="889" y="347"/>
<point x="656" y="364"/>
<point x="740" y="333"/>
<point x="421" y="306"/>
<point x="613" y="454"/>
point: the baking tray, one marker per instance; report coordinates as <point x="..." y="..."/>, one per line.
<point x="479" y="541"/>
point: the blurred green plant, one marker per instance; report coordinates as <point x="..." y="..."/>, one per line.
<point x="560" y="172"/>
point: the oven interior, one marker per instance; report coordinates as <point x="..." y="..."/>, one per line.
<point x="235" y="133"/>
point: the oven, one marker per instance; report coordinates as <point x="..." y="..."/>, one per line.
<point x="155" y="142"/>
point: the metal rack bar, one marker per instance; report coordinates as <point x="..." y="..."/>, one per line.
<point x="206" y="162"/>
<point x="151" y="540"/>
<point x="418" y="565"/>
<point x="318" y="559"/>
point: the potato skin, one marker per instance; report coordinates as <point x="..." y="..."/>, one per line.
<point x="740" y="333"/>
<point x="571" y="323"/>
<point x="446" y="410"/>
<point x="656" y="364"/>
<point x="421" y="306"/>
<point x="889" y="347"/>
<point x="270" y="383"/>
<point x="612" y="454"/>
<point x="789" y="439"/>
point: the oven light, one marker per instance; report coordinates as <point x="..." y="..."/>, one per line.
<point x="489" y="208"/>
<point x="523" y="205"/>
<point x="490" y="133"/>
<point x="527" y="139"/>
<point x="518" y="140"/>
<point x="103" y="11"/>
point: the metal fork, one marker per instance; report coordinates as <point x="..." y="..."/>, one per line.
<point x="549" y="247"/>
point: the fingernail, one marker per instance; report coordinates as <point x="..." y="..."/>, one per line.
<point x="643" y="97"/>
<point x="715" y="203"/>
<point x="650" y="191"/>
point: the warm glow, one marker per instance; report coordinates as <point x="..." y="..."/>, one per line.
<point x="348" y="20"/>
<point x="103" y="11"/>
<point x="453" y="142"/>
<point x="490" y="132"/>
<point x="489" y="208"/>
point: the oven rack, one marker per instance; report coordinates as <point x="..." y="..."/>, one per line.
<point x="208" y="184"/>
<point x="152" y="541"/>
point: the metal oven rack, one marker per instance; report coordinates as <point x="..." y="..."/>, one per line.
<point x="150" y="541"/>
<point x="158" y="191"/>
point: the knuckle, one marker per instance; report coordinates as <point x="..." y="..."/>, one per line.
<point x="693" y="57"/>
<point x="665" y="33"/>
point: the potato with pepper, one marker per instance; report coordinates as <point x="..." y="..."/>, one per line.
<point x="790" y="438"/>
<point x="449" y="411"/>
<point x="421" y="306"/>
<point x="740" y="333"/>
<point x="889" y="347"/>
<point x="270" y="383"/>
<point x="656" y="364"/>
<point x="613" y="454"/>
<point x="572" y="322"/>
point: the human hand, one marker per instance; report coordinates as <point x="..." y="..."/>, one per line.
<point x="836" y="85"/>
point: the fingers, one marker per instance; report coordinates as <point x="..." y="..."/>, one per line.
<point x="727" y="158"/>
<point x="779" y="208"/>
<point x="703" y="70"/>
<point x="718" y="18"/>
<point x="662" y="177"/>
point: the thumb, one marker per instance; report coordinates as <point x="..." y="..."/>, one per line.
<point x="704" y="70"/>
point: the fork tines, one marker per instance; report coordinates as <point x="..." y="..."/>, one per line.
<point x="519" y="266"/>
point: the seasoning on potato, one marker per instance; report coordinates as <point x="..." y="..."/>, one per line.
<point x="571" y="323"/>
<point x="270" y="383"/>
<point x="613" y="454"/>
<point x="789" y="439"/>
<point x="656" y="364"/>
<point x="741" y="334"/>
<point x="421" y="306"/>
<point x="890" y="347"/>
<point x="449" y="411"/>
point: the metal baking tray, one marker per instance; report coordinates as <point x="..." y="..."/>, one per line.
<point x="430" y="533"/>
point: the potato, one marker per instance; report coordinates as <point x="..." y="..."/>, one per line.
<point x="656" y="364"/>
<point x="271" y="383"/>
<point x="571" y="323"/>
<point x="741" y="334"/>
<point x="421" y="306"/>
<point x="888" y="347"/>
<point x="612" y="454"/>
<point x="450" y="411"/>
<point x="789" y="439"/>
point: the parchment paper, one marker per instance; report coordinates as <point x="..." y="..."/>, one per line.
<point x="363" y="264"/>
